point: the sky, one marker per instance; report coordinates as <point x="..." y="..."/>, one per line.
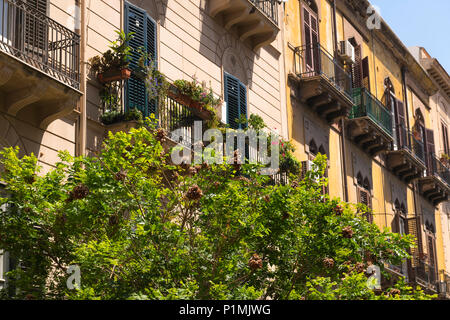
<point x="420" y="23"/>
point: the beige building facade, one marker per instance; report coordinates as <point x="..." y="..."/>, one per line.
<point x="380" y="112"/>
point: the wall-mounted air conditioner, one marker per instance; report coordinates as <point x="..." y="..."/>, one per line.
<point x="347" y="51"/>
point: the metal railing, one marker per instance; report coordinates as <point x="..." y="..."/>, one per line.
<point x="40" y="41"/>
<point x="174" y="116"/>
<point x="366" y="105"/>
<point x="426" y="273"/>
<point x="313" y="60"/>
<point x="445" y="280"/>
<point x="407" y="141"/>
<point x="170" y="114"/>
<point x="437" y="168"/>
<point x="269" y="8"/>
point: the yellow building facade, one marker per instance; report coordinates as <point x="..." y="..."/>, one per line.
<point x="357" y="94"/>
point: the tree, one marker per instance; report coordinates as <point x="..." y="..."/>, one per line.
<point x="141" y="228"/>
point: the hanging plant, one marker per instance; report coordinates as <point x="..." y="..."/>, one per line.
<point x="155" y="82"/>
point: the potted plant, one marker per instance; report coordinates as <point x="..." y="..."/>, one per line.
<point x="113" y="64"/>
<point x="200" y="99"/>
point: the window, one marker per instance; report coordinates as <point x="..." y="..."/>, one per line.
<point x="357" y="78"/>
<point x="145" y="36"/>
<point x="236" y="100"/>
<point x="400" y="225"/>
<point x="363" y="194"/>
<point x="308" y="165"/>
<point x="445" y="138"/>
<point x="36" y="33"/>
<point x="310" y="35"/>
<point x="365" y="73"/>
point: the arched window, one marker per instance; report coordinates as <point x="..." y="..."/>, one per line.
<point x="322" y="150"/>
<point x="313" y="147"/>
<point x="363" y="193"/>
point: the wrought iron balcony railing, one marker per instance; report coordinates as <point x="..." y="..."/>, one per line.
<point x="437" y="168"/>
<point x="407" y="141"/>
<point x="39" y="41"/>
<point x="313" y="60"/>
<point x="366" y="105"/>
<point x="426" y="274"/>
<point x="445" y="283"/>
<point x="269" y="8"/>
<point x="170" y="114"/>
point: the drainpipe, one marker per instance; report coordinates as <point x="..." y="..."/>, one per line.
<point x="342" y="124"/>
<point x="83" y="118"/>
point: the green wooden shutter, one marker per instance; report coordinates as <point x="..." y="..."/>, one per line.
<point x="242" y="101"/>
<point x="144" y="28"/>
<point x="151" y="46"/>
<point x="236" y="99"/>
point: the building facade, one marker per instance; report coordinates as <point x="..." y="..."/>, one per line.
<point x="356" y="93"/>
<point x="316" y="71"/>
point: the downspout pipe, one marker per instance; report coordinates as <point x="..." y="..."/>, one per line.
<point x="83" y="118"/>
<point x="342" y="124"/>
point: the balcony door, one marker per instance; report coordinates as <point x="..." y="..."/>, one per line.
<point x="311" y="37"/>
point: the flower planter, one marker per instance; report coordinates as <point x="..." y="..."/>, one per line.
<point x="114" y="75"/>
<point x="197" y="108"/>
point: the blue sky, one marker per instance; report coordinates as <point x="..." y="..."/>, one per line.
<point x="420" y="23"/>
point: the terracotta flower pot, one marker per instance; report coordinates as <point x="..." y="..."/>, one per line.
<point x="197" y="108"/>
<point x="114" y="75"/>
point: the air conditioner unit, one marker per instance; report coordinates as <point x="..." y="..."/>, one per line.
<point x="347" y="51"/>
<point x="310" y="166"/>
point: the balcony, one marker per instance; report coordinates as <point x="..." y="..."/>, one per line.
<point x="321" y="83"/>
<point x="423" y="274"/>
<point x="407" y="159"/>
<point x="370" y="123"/>
<point x="256" y="21"/>
<point x="444" y="285"/>
<point x="171" y="116"/>
<point x="39" y="65"/>
<point x="435" y="185"/>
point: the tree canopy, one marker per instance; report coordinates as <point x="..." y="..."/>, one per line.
<point x="141" y="228"/>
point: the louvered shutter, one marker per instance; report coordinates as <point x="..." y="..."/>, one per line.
<point x="304" y="170"/>
<point x="236" y="99"/>
<point x="36" y="33"/>
<point x="357" y="68"/>
<point x="151" y="45"/>
<point x="144" y="37"/>
<point x="414" y="229"/>
<point x="364" y="198"/>
<point x="430" y="151"/>
<point x="401" y="123"/>
<point x="365" y="73"/>
<point x="445" y="140"/>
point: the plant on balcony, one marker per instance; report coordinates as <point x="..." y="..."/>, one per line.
<point x="114" y="116"/>
<point x="155" y="81"/>
<point x="196" y="96"/>
<point x="113" y="64"/>
<point x="445" y="159"/>
<point x="287" y="161"/>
